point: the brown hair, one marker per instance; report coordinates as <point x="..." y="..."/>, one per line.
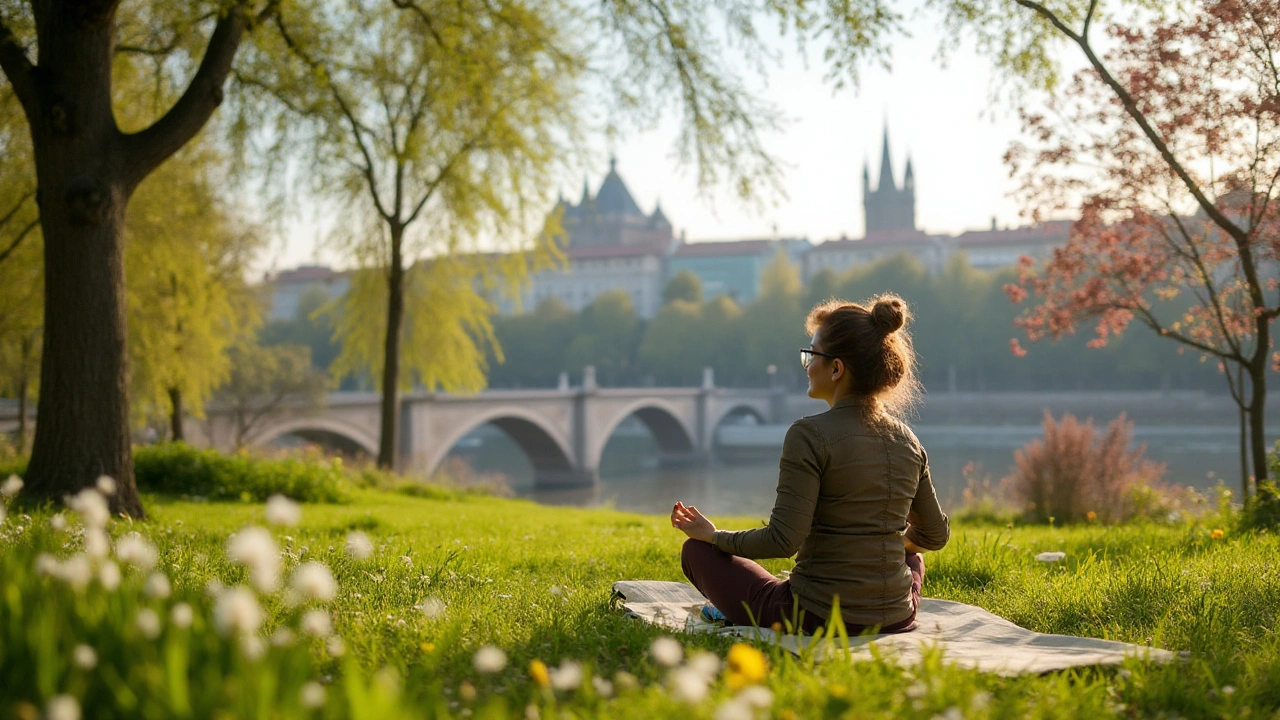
<point x="871" y="340"/>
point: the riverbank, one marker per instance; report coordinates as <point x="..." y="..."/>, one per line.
<point x="445" y="578"/>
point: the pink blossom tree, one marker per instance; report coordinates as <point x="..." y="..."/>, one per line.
<point x="1169" y="146"/>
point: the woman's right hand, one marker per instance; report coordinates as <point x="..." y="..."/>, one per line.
<point x="688" y="520"/>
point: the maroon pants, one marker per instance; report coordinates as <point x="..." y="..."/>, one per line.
<point x="744" y="591"/>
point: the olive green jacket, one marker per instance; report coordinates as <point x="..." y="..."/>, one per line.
<point x="849" y="487"/>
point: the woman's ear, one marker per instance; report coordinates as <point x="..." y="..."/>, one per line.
<point x="837" y="369"/>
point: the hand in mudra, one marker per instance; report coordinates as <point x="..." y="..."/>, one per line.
<point x="688" y="520"/>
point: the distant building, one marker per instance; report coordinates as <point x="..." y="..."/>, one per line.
<point x="288" y="286"/>
<point x="889" y="210"/>
<point x="733" y="267"/>
<point x="997" y="248"/>
<point x="612" y="218"/>
<point x="844" y="254"/>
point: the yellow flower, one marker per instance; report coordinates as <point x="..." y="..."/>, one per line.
<point x="1217" y="534"/>
<point x="747" y="666"/>
<point x="538" y="671"/>
<point x="1091" y="516"/>
<point x="428" y="647"/>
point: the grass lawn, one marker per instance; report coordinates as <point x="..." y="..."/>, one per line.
<point x="449" y="576"/>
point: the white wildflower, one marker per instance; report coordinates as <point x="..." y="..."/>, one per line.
<point x="705" y="663"/>
<point x="1050" y="556"/>
<point x="47" y="565"/>
<point x="84" y="657"/>
<point x="568" y="676"/>
<point x="11" y="486"/>
<point x="317" y="623"/>
<point x="109" y="576"/>
<point x="254" y="548"/>
<point x="556" y="591"/>
<point x="58" y="522"/>
<point x="666" y="651"/>
<point x="97" y="544"/>
<point x="312" y="695"/>
<point x="281" y="510"/>
<point x="687" y="685"/>
<point x="432" y="608"/>
<point x="603" y="687"/>
<point x="237" y="611"/>
<point x="489" y="660"/>
<point x="282" y="637"/>
<point x="359" y="546"/>
<point x="951" y="713"/>
<point x="734" y="709"/>
<point x="1228" y="690"/>
<point x="917" y="690"/>
<point x="252" y="647"/>
<point x="148" y="622"/>
<point x="214" y="587"/>
<point x="335" y="646"/>
<point x="181" y="615"/>
<point x="135" y="550"/>
<point x="625" y="681"/>
<point x="157" y="586"/>
<point x="314" y="581"/>
<point x="757" y="696"/>
<point x="106" y="485"/>
<point x="63" y="707"/>
<point x="91" y="507"/>
<point x="531" y="712"/>
<point x="77" y="571"/>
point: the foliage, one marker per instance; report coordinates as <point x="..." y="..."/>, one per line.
<point x="684" y="285"/>
<point x="309" y="326"/>
<point x="672" y="350"/>
<point x="181" y="470"/>
<point x="264" y="379"/>
<point x="413" y="615"/>
<point x="607" y="336"/>
<point x="534" y="345"/>
<point x="1072" y="474"/>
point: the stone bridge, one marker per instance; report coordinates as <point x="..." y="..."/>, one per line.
<point x="563" y="431"/>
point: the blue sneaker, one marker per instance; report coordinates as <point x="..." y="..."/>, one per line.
<point x="711" y="613"/>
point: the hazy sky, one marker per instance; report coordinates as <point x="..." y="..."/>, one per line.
<point x="942" y="116"/>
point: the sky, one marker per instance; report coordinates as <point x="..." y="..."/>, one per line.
<point x="940" y="114"/>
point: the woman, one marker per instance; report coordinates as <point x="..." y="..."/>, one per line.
<point x="855" y="503"/>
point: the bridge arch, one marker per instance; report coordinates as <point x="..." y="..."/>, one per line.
<point x="747" y="409"/>
<point x="303" y="426"/>
<point x="673" y="433"/>
<point x="545" y="446"/>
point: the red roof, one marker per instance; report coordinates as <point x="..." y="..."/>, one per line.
<point x="725" y="247"/>
<point x="1054" y="231"/>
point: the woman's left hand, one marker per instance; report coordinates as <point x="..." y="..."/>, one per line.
<point x="688" y="520"/>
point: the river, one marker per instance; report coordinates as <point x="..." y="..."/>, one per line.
<point x="630" y="478"/>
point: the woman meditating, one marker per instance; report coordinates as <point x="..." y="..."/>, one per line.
<point x="855" y="503"/>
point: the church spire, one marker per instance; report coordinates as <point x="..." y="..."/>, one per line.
<point x="886" y="165"/>
<point x="586" y="191"/>
<point x="909" y="179"/>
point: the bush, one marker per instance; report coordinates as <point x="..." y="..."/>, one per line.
<point x="1263" y="509"/>
<point x="1073" y="474"/>
<point x="983" y="500"/>
<point x="179" y="469"/>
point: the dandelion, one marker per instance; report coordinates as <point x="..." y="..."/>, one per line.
<point x="1228" y="690"/>
<point x="282" y="637"/>
<point x="687" y="685"/>
<point x="311" y="696"/>
<point x="254" y="548"/>
<point x="135" y="550"/>
<point x="58" y="522"/>
<point x="624" y="681"/>
<point x="359" y="546"/>
<point x="314" y="581"/>
<point x="91" y="507"/>
<point x="63" y="707"/>
<point x="252" y="647"/>
<point x="148" y="622"/>
<point x="567" y="677"/>
<point x="336" y="647"/>
<point x="705" y="664"/>
<point x="747" y="666"/>
<point x="281" y="510"/>
<point x="951" y="713"/>
<point x="106" y="485"/>
<point x="76" y="571"/>
<point x="666" y="651"/>
<point x="603" y="687"/>
<point x="84" y="657"/>
<point x="538" y="672"/>
<point x="432" y="608"/>
<point x="467" y="691"/>
<point x="96" y="543"/>
<point x="317" y="623"/>
<point x="734" y="709"/>
<point x="181" y="615"/>
<point x="157" y="586"/>
<point x="237" y="611"/>
<point x="489" y="660"/>
<point x="109" y="576"/>
<point x="1049" y="557"/>
<point x="757" y="696"/>
<point x="556" y="591"/>
<point x="11" y="486"/>
<point x="1217" y="534"/>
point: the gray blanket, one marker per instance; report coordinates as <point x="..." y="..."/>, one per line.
<point x="968" y="636"/>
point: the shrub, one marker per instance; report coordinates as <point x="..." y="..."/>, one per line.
<point x="983" y="500"/>
<point x="1072" y="472"/>
<point x="1263" y="509"/>
<point x="179" y="469"/>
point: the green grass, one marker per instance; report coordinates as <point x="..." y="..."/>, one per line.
<point x="535" y="581"/>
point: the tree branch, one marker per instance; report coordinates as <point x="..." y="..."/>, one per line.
<point x="145" y="150"/>
<point x="18" y="68"/>
<point x="18" y="240"/>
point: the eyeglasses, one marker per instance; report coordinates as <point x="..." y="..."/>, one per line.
<point x="806" y="356"/>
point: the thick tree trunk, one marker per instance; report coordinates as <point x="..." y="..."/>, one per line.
<point x="84" y="377"/>
<point x="387" y="440"/>
<point x="175" y="419"/>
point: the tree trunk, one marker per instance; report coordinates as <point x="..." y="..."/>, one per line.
<point x="387" y="440"/>
<point x="84" y="377"/>
<point x="23" y="383"/>
<point x="1244" y="438"/>
<point x="175" y="420"/>
<point x="1257" y="419"/>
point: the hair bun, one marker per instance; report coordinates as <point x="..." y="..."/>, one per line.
<point x="889" y="314"/>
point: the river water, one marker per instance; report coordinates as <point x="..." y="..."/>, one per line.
<point x="630" y="478"/>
